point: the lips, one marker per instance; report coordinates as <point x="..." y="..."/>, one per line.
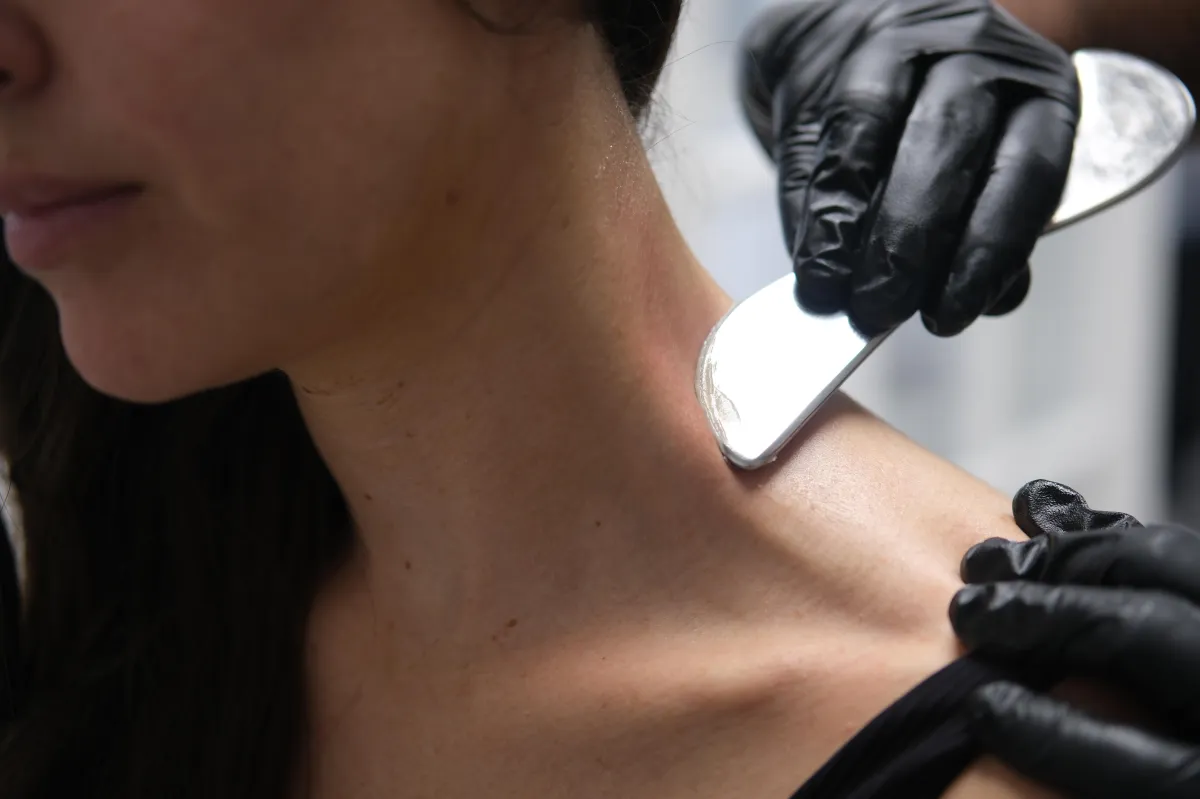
<point x="43" y="209"/>
<point x="32" y="196"/>
<point x="50" y="221"/>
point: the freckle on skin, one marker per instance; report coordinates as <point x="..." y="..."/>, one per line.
<point x="452" y="198"/>
<point x="408" y="565"/>
<point x="511" y="623"/>
<point x="367" y="497"/>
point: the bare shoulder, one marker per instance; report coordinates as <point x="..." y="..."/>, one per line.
<point x="989" y="779"/>
<point x="855" y="493"/>
<point x="893" y="524"/>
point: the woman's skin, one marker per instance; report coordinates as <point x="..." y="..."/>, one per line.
<point x="451" y="242"/>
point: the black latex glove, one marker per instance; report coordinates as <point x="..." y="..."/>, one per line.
<point x="922" y="146"/>
<point x="1098" y="595"/>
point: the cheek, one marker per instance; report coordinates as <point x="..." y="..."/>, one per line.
<point x="234" y="105"/>
<point x="316" y="137"/>
<point x="286" y="159"/>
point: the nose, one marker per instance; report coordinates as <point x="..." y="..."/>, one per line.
<point x="24" y="59"/>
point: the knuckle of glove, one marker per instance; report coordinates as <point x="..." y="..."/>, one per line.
<point x="1015" y="55"/>
<point x="816" y="38"/>
<point x="770" y="41"/>
<point x="796" y="156"/>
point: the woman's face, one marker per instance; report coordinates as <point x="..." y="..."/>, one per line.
<point x="279" y="153"/>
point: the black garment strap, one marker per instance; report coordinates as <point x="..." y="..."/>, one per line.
<point x="919" y="746"/>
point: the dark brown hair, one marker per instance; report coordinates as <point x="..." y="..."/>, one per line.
<point x="639" y="34"/>
<point x="172" y="554"/>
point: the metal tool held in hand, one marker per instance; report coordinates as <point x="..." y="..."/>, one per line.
<point x="769" y="365"/>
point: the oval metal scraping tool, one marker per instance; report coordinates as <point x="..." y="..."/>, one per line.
<point x="769" y="365"/>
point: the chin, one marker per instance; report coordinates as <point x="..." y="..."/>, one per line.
<point x="139" y="386"/>
<point x="143" y="371"/>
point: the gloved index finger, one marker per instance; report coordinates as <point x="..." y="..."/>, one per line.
<point x="862" y="122"/>
<point x="1147" y="642"/>
<point x="1026" y="179"/>
<point x="1162" y="558"/>
<point x="939" y="166"/>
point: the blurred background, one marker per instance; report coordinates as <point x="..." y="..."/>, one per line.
<point x="1094" y="381"/>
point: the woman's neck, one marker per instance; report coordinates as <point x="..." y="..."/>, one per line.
<point x="531" y="429"/>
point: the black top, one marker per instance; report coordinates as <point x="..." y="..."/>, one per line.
<point x="917" y="747"/>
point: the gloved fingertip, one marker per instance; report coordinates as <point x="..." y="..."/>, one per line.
<point x="1000" y="618"/>
<point x="822" y="286"/>
<point x="944" y="327"/>
<point x="869" y="328"/>
<point x="990" y="704"/>
<point x="982" y="280"/>
<point x="998" y="559"/>
<point x="967" y="603"/>
<point x="954" y="309"/>
<point x="876" y="312"/>
<point x="988" y="562"/>
<point x="1013" y="295"/>
<point x="887" y="290"/>
<point x="964" y="566"/>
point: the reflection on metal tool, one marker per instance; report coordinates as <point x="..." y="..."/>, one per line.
<point x="769" y="365"/>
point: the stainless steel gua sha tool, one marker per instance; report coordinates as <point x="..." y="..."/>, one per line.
<point x="769" y="365"/>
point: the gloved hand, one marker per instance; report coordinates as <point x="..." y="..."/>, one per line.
<point x="922" y="145"/>
<point x="1095" y="594"/>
